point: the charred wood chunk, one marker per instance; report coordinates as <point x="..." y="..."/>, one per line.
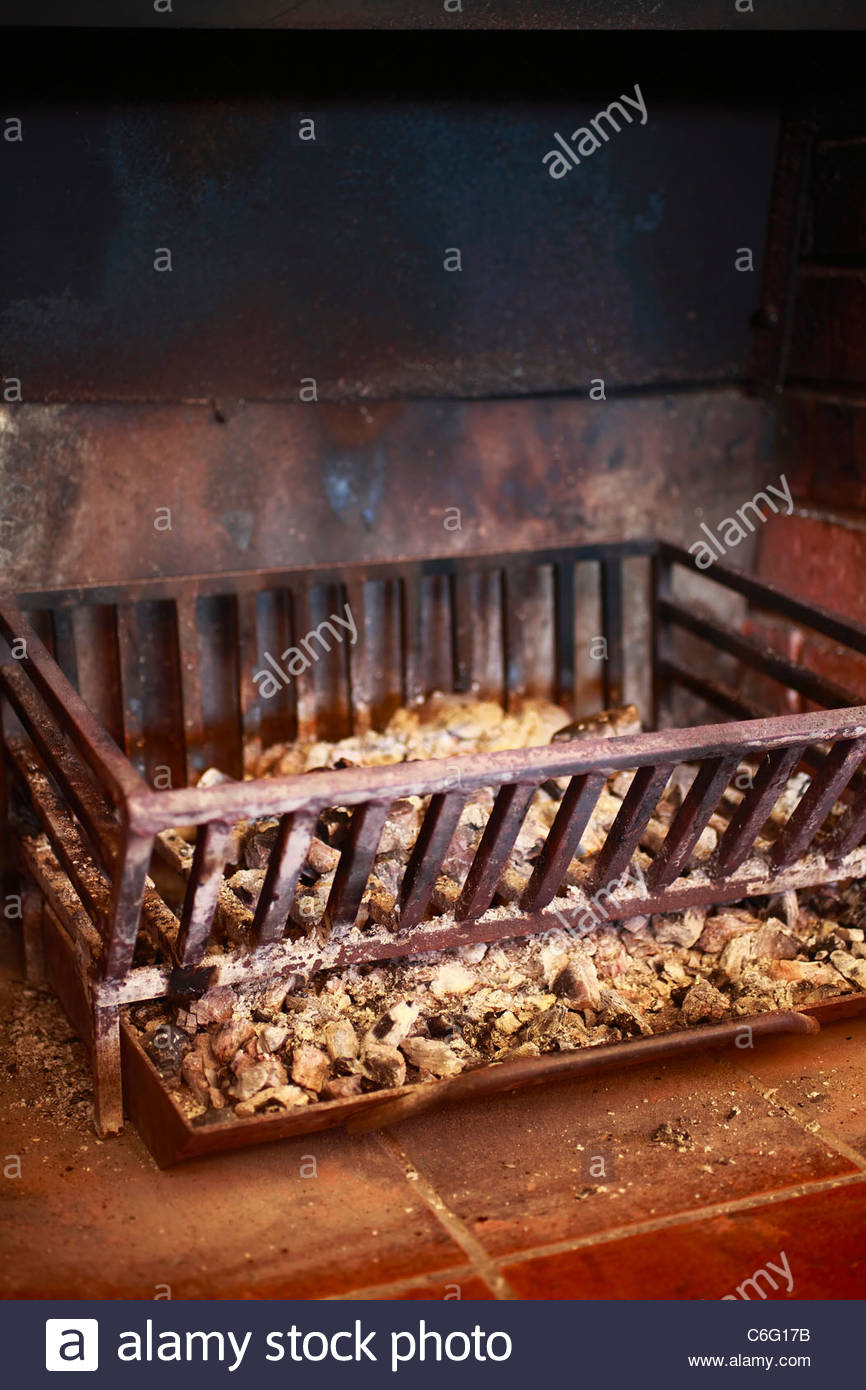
<point x="578" y="983"/>
<point x="431" y="1055"/>
<point x="272" y="1037"/>
<point x="703" y="1001"/>
<point x="333" y="826"/>
<point x="310" y="1066"/>
<point x="545" y="1029"/>
<point x="384" y="1064"/>
<point x="253" y="1073"/>
<point x="342" y="1087"/>
<point x="617" y="1012"/>
<point x="321" y="859"/>
<point x="441" y="1026"/>
<point x="230" y="1038"/>
<point x="286" y="1097"/>
<point x="394" y="1025"/>
<point x="259" y="842"/>
<point x="341" y="1040"/>
<point x="216" y="1006"/>
<point x="167" y="1046"/>
<point x="382" y="907"/>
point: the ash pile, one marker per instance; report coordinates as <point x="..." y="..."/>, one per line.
<point x="373" y="1028"/>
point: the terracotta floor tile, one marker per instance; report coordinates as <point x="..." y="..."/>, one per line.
<point x="472" y="1289"/>
<point x="820" y="1237"/>
<point x="516" y="1168"/>
<point x="824" y="1077"/>
<point x="97" y="1219"/>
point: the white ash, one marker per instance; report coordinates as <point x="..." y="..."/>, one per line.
<point x="375" y="1027"/>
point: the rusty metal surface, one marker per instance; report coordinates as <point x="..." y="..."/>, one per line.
<point x="172" y="1139"/>
<point x="242" y="494"/>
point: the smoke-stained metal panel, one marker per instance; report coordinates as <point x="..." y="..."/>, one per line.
<point x="325" y="260"/>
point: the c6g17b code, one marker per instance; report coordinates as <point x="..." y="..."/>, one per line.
<point x="779" y="1334"/>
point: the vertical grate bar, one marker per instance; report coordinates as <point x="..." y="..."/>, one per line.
<point x="512" y="596"/>
<point x="130" y="683"/>
<point x="624" y="835"/>
<point x="503" y="827"/>
<point x="755" y="807"/>
<point x="203" y="890"/>
<point x="611" y="624"/>
<point x="248" y="658"/>
<point x="356" y="861"/>
<point x="661" y="578"/>
<point x="851" y="829"/>
<point x="563" y="840"/>
<point x="700" y="802"/>
<point x="127" y="892"/>
<point x="410" y="613"/>
<point x="564" y="634"/>
<point x="284" y="867"/>
<point x="429" y="850"/>
<point x="64" y="644"/>
<point x="305" y="690"/>
<point x="190" y="680"/>
<point x="808" y="816"/>
<point x="358" y="658"/>
<point x="463" y="624"/>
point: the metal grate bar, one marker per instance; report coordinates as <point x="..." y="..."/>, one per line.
<point x="284" y="866"/>
<point x="851" y="829"/>
<point x="410" y="615"/>
<point x="760" y="657"/>
<point x="84" y="798"/>
<point x="359" y="659"/>
<point x="563" y="840"/>
<point x="203" y="890"/>
<point x="701" y="800"/>
<point x="624" y="835"/>
<point x="305" y="689"/>
<point x="65" y="838"/>
<point x="756" y="806"/>
<point x="463" y="626"/>
<point x="430" y="848"/>
<point x="248" y="658"/>
<point x="500" y="832"/>
<point x="807" y="818"/>
<point x="611" y="626"/>
<point x="127" y="893"/>
<point x="564" y="634"/>
<point x="190" y="680"/>
<point x="356" y="861"/>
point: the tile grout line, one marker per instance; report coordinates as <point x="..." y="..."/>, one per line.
<point x="831" y="1139"/>
<point x="686" y="1218"/>
<point x="452" y="1275"/>
<point x="483" y="1263"/>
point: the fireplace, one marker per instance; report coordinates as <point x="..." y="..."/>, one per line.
<point x="328" y="486"/>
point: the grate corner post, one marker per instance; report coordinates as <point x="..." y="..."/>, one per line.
<point x="107" y="1073"/>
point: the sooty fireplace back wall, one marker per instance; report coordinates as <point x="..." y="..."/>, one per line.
<point x="373" y="271"/>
